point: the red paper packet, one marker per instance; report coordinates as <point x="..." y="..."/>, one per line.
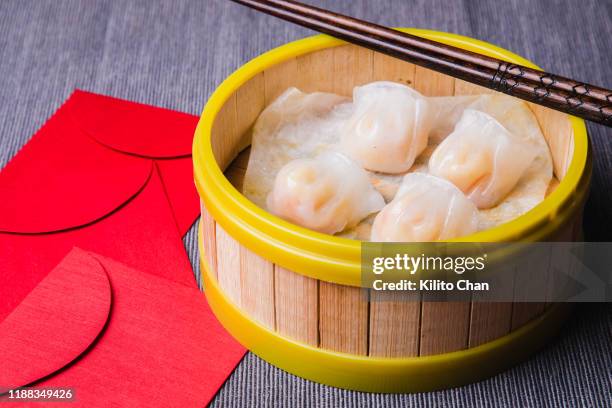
<point x="113" y="177"/>
<point x="116" y="336"/>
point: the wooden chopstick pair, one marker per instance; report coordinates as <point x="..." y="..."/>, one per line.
<point x="563" y="94"/>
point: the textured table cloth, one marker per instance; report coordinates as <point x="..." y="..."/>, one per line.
<point x="174" y="53"/>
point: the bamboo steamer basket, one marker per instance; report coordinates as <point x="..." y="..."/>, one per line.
<point x="292" y="295"/>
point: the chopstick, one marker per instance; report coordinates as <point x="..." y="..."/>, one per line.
<point x="584" y="100"/>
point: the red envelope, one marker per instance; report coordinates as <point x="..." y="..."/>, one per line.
<point x="107" y="175"/>
<point x="154" y="342"/>
<point x="113" y="177"/>
<point x="148" y="132"/>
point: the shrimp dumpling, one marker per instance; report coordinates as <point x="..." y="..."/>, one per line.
<point x="327" y="194"/>
<point x="425" y="209"/>
<point x="482" y="158"/>
<point x="388" y="128"/>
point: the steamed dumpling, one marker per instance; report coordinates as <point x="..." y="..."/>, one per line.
<point x="295" y="125"/>
<point x="388" y="128"/>
<point x="327" y="194"/>
<point x="425" y="208"/>
<point x="482" y="158"/>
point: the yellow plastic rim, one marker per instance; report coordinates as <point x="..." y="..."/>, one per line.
<point x="388" y="375"/>
<point x="336" y="259"/>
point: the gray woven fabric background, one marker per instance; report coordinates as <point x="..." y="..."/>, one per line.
<point x="174" y="53"/>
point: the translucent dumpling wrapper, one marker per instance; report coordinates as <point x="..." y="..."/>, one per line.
<point x="295" y="125"/>
<point x="294" y="106"/>
<point x="516" y="117"/>
<point x="482" y="158"/>
<point x="425" y="209"/>
<point x="303" y="125"/>
<point x="388" y="128"/>
<point x="327" y="194"/>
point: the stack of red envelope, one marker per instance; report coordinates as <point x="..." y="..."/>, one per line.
<point x="120" y="319"/>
